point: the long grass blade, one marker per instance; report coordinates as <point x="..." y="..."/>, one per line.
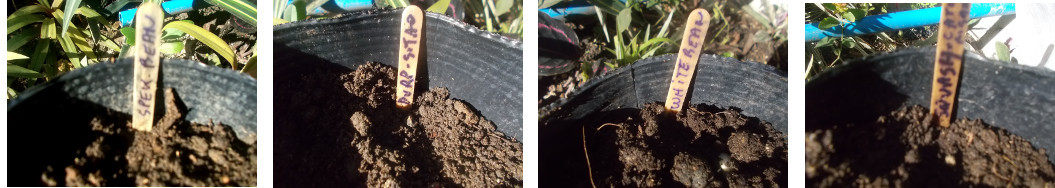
<point x="67" y="17"/>
<point x="206" y="37"/>
<point x="244" y="10"/>
<point x="21" y="72"/>
<point x="17" y="23"/>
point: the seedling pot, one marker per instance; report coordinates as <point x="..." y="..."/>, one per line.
<point x="757" y="89"/>
<point x="481" y="68"/>
<point x="1013" y="97"/>
<point x="48" y="121"/>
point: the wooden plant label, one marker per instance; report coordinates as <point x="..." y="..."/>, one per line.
<point x="691" y="45"/>
<point x="409" y="46"/>
<point x="948" y="61"/>
<point x="148" y="33"/>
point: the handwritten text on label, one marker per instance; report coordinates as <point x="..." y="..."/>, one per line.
<point x="685" y="67"/>
<point x="148" y="18"/>
<point x="410" y="46"/>
<point x="948" y="61"/>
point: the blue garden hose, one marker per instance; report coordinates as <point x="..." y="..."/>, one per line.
<point x="170" y="7"/>
<point x="901" y="20"/>
<point x="181" y="6"/>
<point x="578" y="7"/>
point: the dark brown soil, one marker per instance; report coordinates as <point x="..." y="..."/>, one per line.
<point x="700" y="147"/>
<point x="339" y="128"/>
<point x="174" y="153"/>
<point x="901" y="149"/>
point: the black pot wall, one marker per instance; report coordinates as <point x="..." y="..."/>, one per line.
<point x="211" y="93"/>
<point x="1017" y="98"/>
<point x="757" y="89"/>
<point x="481" y="68"/>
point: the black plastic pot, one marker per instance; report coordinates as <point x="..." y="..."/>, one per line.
<point x="482" y="68"/>
<point x="1017" y="98"/>
<point x="211" y="93"/>
<point x="47" y="122"/>
<point x="757" y="89"/>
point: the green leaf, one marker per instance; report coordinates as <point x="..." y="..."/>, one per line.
<point x="441" y="7"/>
<point x="828" y="23"/>
<point x="831" y="7"/>
<point x="70" y="50"/>
<point x="79" y="39"/>
<point x="857" y="14"/>
<point x="296" y="11"/>
<point x="15" y="56"/>
<point x="48" y="29"/>
<point x="69" y="11"/>
<point x="825" y="42"/>
<point x="39" y="55"/>
<point x="171" y="47"/>
<point x="20" y="39"/>
<point x="21" y="72"/>
<point x="250" y="67"/>
<point x="206" y="37"/>
<point x="279" y="21"/>
<point x="849" y="17"/>
<point x="14" y="24"/>
<point x="502" y="6"/>
<point x="243" y="10"/>
<point x="1002" y="52"/>
<point x="31" y="9"/>
<point x="130" y="35"/>
<point x="848" y="43"/>
<point x="622" y="21"/>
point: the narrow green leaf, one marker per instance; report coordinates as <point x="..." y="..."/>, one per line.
<point x="17" y="23"/>
<point x="21" y="72"/>
<point x="70" y="50"/>
<point x="48" y="29"/>
<point x="31" y="9"/>
<point x="663" y="31"/>
<point x="15" y="56"/>
<point x="250" y="67"/>
<point x="440" y="6"/>
<point x="622" y="21"/>
<point x="244" y="10"/>
<point x="279" y="21"/>
<point x="206" y="37"/>
<point x="20" y="39"/>
<point x="69" y="11"/>
<point x="40" y="54"/>
<point x="655" y="41"/>
<point x="55" y="4"/>
<point x="1003" y="52"/>
<point x="828" y="23"/>
<point x="80" y="40"/>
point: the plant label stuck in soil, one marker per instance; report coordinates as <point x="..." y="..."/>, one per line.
<point x="948" y="60"/>
<point x="409" y="46"/>
<point x="148" y="33"/>
<point x="688" y="54"/>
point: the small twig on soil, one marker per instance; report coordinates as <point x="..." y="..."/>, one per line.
<point x="587" y="154"/>
<point x="602" y="126"/>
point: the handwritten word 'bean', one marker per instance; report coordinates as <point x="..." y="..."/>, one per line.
<point x="688" y="55"/>
<point x="145" y="73"/>
<point x="409" y="47"/>
<point x="948" y="61"/>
